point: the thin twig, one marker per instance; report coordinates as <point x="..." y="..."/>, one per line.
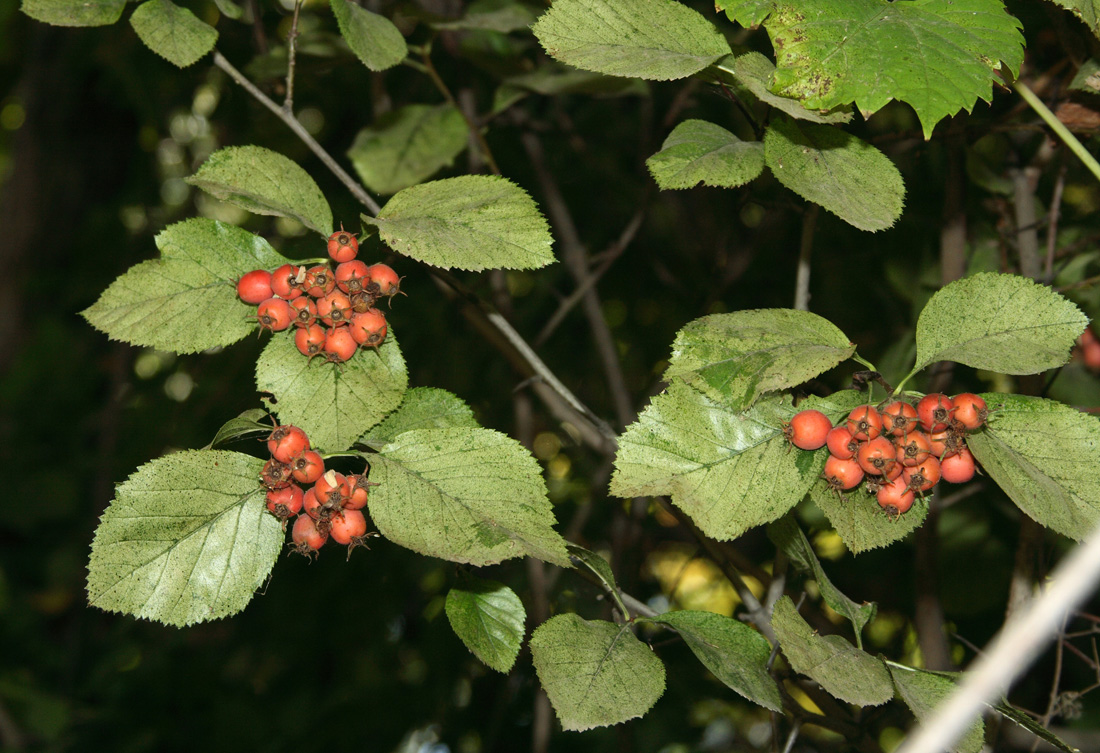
<point x="1056" y="681"/>
<point x="805" y="250"/>
<point x="291" y="41"/>
<point x="1052" y="225"/>
<point x="350" y="183"/>
<point x="1058" y="127"/>
<point x="475" y="131"/>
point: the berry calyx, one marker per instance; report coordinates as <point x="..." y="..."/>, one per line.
<point x="934" y="411"/>
<point x="914" y="449"/>
<point x="970" y="410"/>
<point x="352" y="276"/>
<point x="864" y="423"/>
<point x="254" y="287"/>
<point x="878" y="457"/>
<point x="842" y="475"/>
<point x="286" y="443"/>
<point x="342" y="246"/>
<point x="332" y="489"/>
<point x="921" y="478"/>
<point x="307" y="467"/>
<point x="841" y="443"/>
<point x="286" y="281"/>
<point x="305" y="311"/>
<point x="808" y="429"/>
<point x="898" y="419"/>
<point x="275" y="475"/>
<point x="275" y="314"/>
<point x="286" y="502"/>
<point x="959" y="468"/>
<point x="334" y="309"/>
<point x="319" y="281"/>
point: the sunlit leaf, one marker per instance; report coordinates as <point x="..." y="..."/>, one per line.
<point x="373" y="38"/>
<point x="422" y="408"/>
<point x="700" y="152"/>
<point x="489" y="618"/>
<point x="172" y="32"/>
<point x="74" y="12"/>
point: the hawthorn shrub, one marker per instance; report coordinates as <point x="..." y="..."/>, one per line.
<point x="791" y="109"/>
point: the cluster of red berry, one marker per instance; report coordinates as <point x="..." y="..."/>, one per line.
<point x="333" y="505"/>
<point x="897" y="452"/>
<point x="341" y="300"/>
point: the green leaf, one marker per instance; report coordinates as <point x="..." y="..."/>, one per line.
<point x="734" y="652"/>
<point x="727" y="471"/>
<point x="745" y="12"/>
<point x="186" y="539"/>
<point x="841" y="669"/>
<point x="74" y="12"/>
<point x="186" y="301"/>
<point x="940" y="56"/>
<point x="229" y="9"/>
<point x="594" y="562"/>
<point x="651" y="39"/>
<point x="923" y="691"/>
<point x="471" y="222"/>
<point x="996" y="322"/>
<point x="552" y="79"/>
<point x="1087" y="78"/>
<point x="1086" y="10"/>
<point x="489" y="618"/>
<point x="464" y="494"/>
<point x="847" y="176"/>
<point x="860" y="522"/>
<point x="373" y="38"/>
<point x="1026" y="721"/>
<point x="700" y="152"/>
<point x="408" y="145"/>
<point x="422" y="408"/>
<point x="752" y="72"/>
<point x="595" y="673"/>
<point x="172" y="32"/>
<point x="264" y="182"/>
<point x="788" y="537"/>
<point x="502" y="16"/>
<point x="332" y="403"/>
<point x="1045" y="456"/>
<point x="735" y="358"/>
<point x="253" y="422"/>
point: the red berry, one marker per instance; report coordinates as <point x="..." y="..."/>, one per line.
<point x="914" y="448"/>
<point x="348" y="525"/>
<point x="286" y="281"/>
<point x="255" y="287"/>
<point x="808" y="429"/>
<point x="369" y="328"/>
<point x="898" y="419"/>
<point x="275" y="475"/>
<point x="313" y="507"/>
<point x="286" y="443"/>
<point x="895" y="497"/>
<point x="970" y="410"/>
<point x="352" y="276"/>
<point x="864" y="423"/>
<point x="959" y="468"/>
<point x="878" y="457"/>
<point x="357" y="500"/>
<point x="934" y="411"/>
<point x="307" y="467"/>
<point x="334" y="309"/>
<point x="275" y="314"/>
<point x="342" y="246"/>
<point x="923" y="477"/>
<point x="332" y="489"/>
<point x="306" y="535"/>
<point x="363" y="301"/>
<point x="310" y="340"/>
<point x="339" y="344"/>
<point x="305" y="311"/>
<point x="286" y="502"/>
<point x="841" y="443"/>
<point x="946" y="443"/>
<point x="389" y="284"/>
<point x="319" y="281"/>
<point x="842" y="474"/>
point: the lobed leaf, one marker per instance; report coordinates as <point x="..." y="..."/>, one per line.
<point x="264" y="182"/>
<point x="470" y="222"/>
<point x="186" y="301"/>
<point x="186" y="539"/>
<point x="332" y="403"/>
<point x="734" y="652"/>
<point x="1044" y="455"/>
<point x="172" y="32"/>
<point x="789" y="538"/>
<point x="859" y="521"/>
<point x="595" y="673"/>
<point x="700" y="152"/>
<point x="728" y="471"/>
<point x="924" y="691"/>
<point x="467" y="495"/>
<point x="373" y="38"/>
<point x="939" y="56"/>
<point x="422" y="408"/>
<point x="841" y="669"/>
<point x="735" y="358"/>
<point x="753" y="73"/>
<point x="408" y="145"/>
<point x="489" y="618"/>
<point x="74" y="12"/>
<point x="1003" y="323"/>
<point x="650" y="39"/>
<point x="825" y="165"/>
